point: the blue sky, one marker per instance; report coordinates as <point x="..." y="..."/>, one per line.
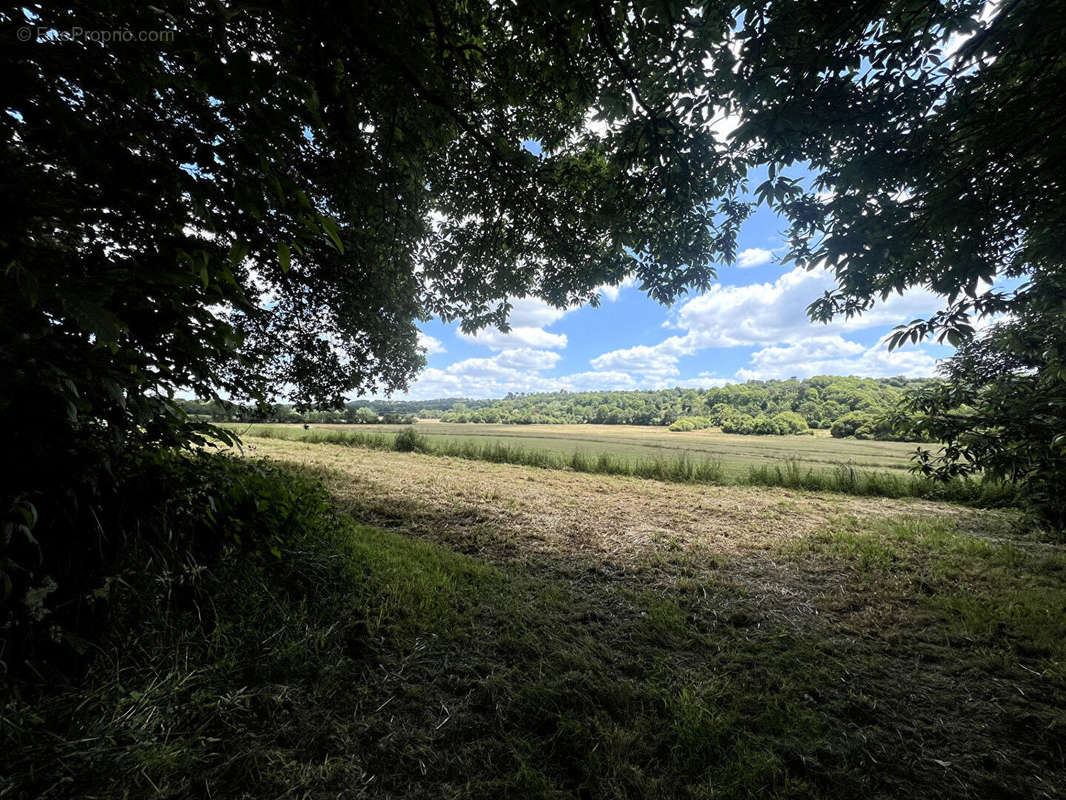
<point x="752" y="324"/>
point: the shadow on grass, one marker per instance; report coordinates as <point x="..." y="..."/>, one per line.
<point x="365" y="663"/>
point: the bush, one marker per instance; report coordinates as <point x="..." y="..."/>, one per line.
<point x="690" y="424"/>
<point x="180" y="510"/>
<point x="791" y="422"/>
<point x="410" y="441"/>
<point x="851" y="424"/>
<point x="736" y="422"/>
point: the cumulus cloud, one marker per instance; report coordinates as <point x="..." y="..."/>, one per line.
<point x="527" y="359"/>
<point x="534" y="313"/>
<point x="817" y="348"/>
<point x="430" y="344"/>
<point x="837" y="356"/>
<point x="771" y="313"/>
<point x="518" y="336"/>
<point x="654" y="362"/>
<point x="511" y="370"/>
<point x="753" y="257"/>
<point x="611" y="292"/>
<point x="517" y="370"/>
<point x="528" y="318"/>
<point x="773" y="316"/>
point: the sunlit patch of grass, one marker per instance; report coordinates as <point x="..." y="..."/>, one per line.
<point x="408" y="586"/>
<point x="681" y="467"/>
<point x="1006" y="598"/>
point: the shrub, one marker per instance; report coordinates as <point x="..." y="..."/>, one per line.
<point x="738" y="423"/>
<point x="791" y="422"/>
<point x="690" y="424"/>
<point x="410" y="441"/>
<point x="180" y="510"/>
<point x="851" y="424"/>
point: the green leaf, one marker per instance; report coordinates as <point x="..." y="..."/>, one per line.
<point x="331" y="230"/>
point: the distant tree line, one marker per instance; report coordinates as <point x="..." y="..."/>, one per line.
<point x="863" y="405"/>
<point x="864" y="408"/>
<point x="351" y="413"/>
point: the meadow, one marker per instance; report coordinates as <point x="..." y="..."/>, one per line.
<point x="817" y="463"/>
<point x="735" y="453"/>
<point x="443" y="627"/>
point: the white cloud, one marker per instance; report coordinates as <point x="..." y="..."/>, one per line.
<point x="771" y="313"/>
<point x="833" y="355"/>
<point x="528" y="359"/>
<point x="817" y="348"/>
<point x="518" y="336"/>
<point x="528" y="318"/>
<point x="654" y="362"/>
<point x="753" y="257"/>
<point x="510" y="371"/>
<point x="533" y="312"/>
<point x="611" y="292"/>
<point x="430" y="344"/>
<point x="774" y="316"/>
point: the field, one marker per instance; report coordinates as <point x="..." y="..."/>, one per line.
<point x="735" y="453"/>
<point x="817" y="463"/>
<point x="466" y="629"/>
<point x="644" y="639"/>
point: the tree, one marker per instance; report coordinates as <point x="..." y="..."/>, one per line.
<point x="271" y="197"/>
<point x="933" y="133"/>
<point x="267" y="200"/>
<point x="1002" y="409"/>
<point x="365" y="415"/>
<point x="258" y="201"/>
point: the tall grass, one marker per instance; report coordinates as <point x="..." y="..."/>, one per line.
<point x="789" y="474"/>
<point x="848" y="480"/>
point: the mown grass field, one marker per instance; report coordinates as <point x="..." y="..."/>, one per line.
<point x="778" y="461"/>
<point x="735" y="453"/>
<point x="479" y="630"/>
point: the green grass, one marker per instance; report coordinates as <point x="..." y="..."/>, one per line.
<point x="1008" y="598"/>
<point x="365" y="663"/>
<point x="678" y="465"/>
<point x="736" y="453"/>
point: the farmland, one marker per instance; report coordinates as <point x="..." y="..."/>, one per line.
<point x="736" y="454"/>
<point x="448" y="627"/>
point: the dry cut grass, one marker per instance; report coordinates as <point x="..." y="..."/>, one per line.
<point x="499" y="509"/>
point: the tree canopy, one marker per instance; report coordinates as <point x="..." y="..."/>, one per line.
<point x="265" y="199"/>
<point x="816" y="402"/>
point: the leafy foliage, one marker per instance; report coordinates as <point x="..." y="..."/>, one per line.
<point x="813" y="402"/>
<point x="1002" y="410"/>
<point x="233" y="211"/>
<point x="933" y="132"/>
<point x="179" y="511"/>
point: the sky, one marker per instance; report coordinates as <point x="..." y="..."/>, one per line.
<point x="751" y="325"/>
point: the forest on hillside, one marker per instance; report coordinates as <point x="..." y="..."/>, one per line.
<point x="848" y="406"/>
